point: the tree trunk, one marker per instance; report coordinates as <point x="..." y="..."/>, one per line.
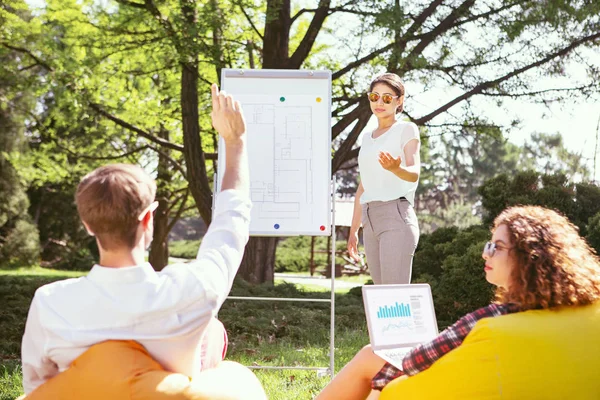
<point x="277" y="35"/>
<point x="195" y="160"/>
<point x="159" y="249"/>
<point x="258" y="264"/>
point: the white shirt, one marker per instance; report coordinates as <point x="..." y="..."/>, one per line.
<point x="167" y="311"/>
<point x="379" y="183"/>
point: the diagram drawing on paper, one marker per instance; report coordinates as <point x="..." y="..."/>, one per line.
<point x="281" y="181"/>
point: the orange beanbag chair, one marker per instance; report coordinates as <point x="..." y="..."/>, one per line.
<point x="123" y="370"/>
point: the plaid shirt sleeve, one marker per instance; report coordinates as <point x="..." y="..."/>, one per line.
<point x="424" y="355"/>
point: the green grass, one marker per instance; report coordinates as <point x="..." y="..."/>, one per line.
<point x="326" y="286"/>
<point x="10" y="380"/>
<point x="260" y="332"/>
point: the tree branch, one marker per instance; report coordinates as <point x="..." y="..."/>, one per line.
<point x="429" y="37"/>
<point x="343" y="152"/>
<point x="132" y="4"/>
<point x="347" y="119"/>
<point x="536" y="92"/>
<point x="478" y="89"/>
<point x="155" y="12"/>
<point x="250" y="20"/>
<point x="354" y="64"/>
<point x="30" y="54"/>
<point x="416" y="25"/>
<point x="349" y="103"/>
<point x="135" y="129"/>
<point x="119" y="156"/>
<point x="334" y="10"/>
<point x="310" y="36"/>
<point x="175" y="164"/>
<point x="180" y="211"/>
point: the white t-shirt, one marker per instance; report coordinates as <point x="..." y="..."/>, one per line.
<point x="379" y="183"/>
<point x="167" y="312"/>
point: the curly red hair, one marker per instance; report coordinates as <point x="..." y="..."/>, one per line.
<point x="554" y="265"/>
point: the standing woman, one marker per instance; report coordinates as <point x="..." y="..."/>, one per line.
<point x="389" y="167"/>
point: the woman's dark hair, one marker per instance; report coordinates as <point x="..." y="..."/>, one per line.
<point x="395" y="83"/>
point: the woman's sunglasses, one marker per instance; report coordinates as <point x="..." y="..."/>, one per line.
<point x="386" y="97"/>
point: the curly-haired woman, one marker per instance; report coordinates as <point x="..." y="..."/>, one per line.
<point x="536" y="259"/>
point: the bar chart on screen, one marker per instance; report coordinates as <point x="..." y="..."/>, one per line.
<point x="397" y="310"/>
<point x="400" y="317"/>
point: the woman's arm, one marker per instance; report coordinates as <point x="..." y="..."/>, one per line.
<point x="356" y="218"/>
<point x="423" y="356"/>
<point x="409" y="173"/>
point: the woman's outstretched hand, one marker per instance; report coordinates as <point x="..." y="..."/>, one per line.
<point x="388" y="162"/>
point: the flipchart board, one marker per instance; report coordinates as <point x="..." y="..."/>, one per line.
<point x="288" y="118"/>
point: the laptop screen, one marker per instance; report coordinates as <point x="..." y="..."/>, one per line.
<point x="399" y="315"/>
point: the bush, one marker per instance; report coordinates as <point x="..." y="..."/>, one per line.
<point x="21" y="246"/>
<point x="65" y="244"/>
<point x="429" y="255"/>
<point x="184" y="248"/>
<point x="449" y="260"/>
<point x="19" y="238"/>
<point x="593" y="233"/>
<point x="293" y="254"/>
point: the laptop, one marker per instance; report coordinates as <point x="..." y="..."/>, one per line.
<point x="399" y="317"/>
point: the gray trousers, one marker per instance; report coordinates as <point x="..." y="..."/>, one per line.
<point x="390" y="235"/>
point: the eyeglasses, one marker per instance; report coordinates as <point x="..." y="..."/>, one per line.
<point x="152" y="208"/>
<point x="490" y="249"/>
<point x="386" y="97"/>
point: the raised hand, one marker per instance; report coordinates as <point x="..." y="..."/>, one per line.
<point x="388" y="162"/>
<point x="227" y="116"/>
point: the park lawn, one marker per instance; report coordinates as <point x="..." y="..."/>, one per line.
<point x="260" y="332"/>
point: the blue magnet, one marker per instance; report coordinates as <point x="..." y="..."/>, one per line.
<point x="276" y="226"/>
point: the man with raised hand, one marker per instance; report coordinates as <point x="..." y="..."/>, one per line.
<point x="171" y="313"/>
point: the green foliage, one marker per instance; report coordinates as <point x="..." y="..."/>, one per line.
<point x="452" y="175"/>
<point x="431" y="252"/>
<point x="293" y="254"/>
<point x="20" y="246"/>
<point x="184" y="248"/>
<point x="107" y="79"/>
<point x="462" y="287"/>
<point x="593" y="232"/>
<point x="579" y="202"/>
<point x="546" y="153"/>
<point x="19" y="243"/>
<point x="65" y="242"/>
<point x="450" y="260"/>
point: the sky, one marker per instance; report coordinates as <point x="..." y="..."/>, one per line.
<point x="578" y="123"/>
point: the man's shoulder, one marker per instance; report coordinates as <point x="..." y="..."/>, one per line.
<point x="59" y="288"/>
